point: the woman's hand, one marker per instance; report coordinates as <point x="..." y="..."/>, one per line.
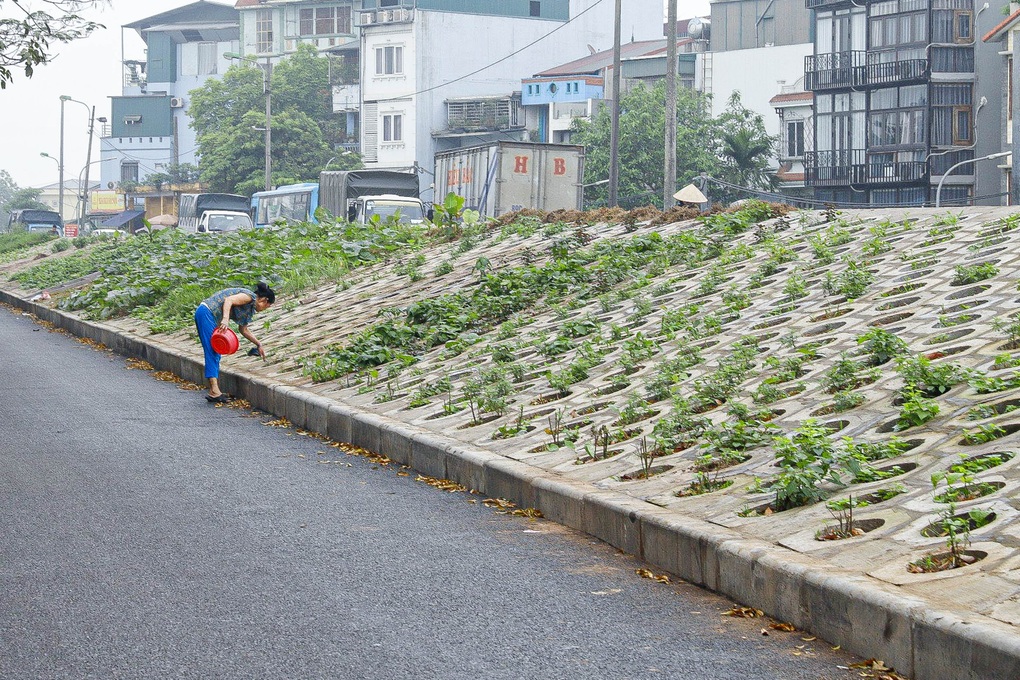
<point x="225" y="324"/>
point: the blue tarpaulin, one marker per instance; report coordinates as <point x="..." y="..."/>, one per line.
<point x="122" y="218"/>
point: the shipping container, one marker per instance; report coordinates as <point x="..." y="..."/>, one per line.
<point x="502" y="177"/>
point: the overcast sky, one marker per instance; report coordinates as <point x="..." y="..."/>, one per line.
<point x="90" y="72"/>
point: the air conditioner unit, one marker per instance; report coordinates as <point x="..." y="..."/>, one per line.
<point x="367" y="18"/>
<point x="385" y="16"/>
<point x="176" y="102"/>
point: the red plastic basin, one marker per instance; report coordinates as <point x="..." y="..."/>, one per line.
<point x="224" y="341"/>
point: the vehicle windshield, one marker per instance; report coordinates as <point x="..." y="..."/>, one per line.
<point x="405" y="211"/>
<point x="229" y="222"/>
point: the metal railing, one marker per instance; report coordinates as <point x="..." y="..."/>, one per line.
<point x="834" y="70"/>
<point x="854" y="166"/>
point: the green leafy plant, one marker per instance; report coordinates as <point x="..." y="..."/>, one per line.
<point x="916" y="410"/>
<point x="973" y="273"/>
<point x="881" y="345"/>
<point x="983" y="434"/>
<point x="807" y="458"/>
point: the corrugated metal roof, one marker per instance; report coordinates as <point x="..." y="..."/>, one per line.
<point x="593" y="63"/>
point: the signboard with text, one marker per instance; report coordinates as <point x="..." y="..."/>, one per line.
<point x="105" y="201"/>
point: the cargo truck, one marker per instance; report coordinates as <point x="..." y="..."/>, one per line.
<point x="501" y="177"/>
<point x="360" y="195"/>
<point x="213" y="213"/>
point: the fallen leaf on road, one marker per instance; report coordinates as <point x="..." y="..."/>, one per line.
<point x="744" y="612"/>
<point x="137" y="364"/>
<point x="776" y="625"/>
<point x="660" y="578"/>
<point x="441" y="484"/>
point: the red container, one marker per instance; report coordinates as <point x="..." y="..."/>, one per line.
<point x="224" y="341"/>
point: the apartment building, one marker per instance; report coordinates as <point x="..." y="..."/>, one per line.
<point x="900" y="113"/>
<point x="435" y="75"/>
<point x="149" y="128"/>
<point x="1006" y="37"/>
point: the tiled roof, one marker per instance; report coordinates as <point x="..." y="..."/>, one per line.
<point x="1003" y="25"/>
<point x="787" y="97"/>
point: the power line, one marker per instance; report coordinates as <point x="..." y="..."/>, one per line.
<point x="498" y="61"/>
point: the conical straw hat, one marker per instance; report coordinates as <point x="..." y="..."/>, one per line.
<point x="690" y="194"/>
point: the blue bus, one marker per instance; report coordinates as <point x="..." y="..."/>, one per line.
<point x="289" y="203"/>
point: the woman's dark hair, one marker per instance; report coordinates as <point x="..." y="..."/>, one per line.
<point x="264" y="291"/>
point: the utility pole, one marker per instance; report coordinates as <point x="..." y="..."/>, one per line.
<point x="614" y="135"/>
<point x="88" y="161"/>
<point x="60" y="163"/>
<point x="669" y="177"/>
<point x="269" y="132"/>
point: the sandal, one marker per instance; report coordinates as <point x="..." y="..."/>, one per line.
<point x="220" y="399"/>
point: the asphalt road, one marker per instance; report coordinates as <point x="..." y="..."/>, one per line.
<point x="145" y="533"/>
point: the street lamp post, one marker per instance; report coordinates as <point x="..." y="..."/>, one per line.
<point x="60" y="162"/>
<point x="267" y="70"/>
<point x="938" y="190"/>
<point x="92" y="118"/>
<point x="88" y="162"/>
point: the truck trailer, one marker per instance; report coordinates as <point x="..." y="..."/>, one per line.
<point x="504" y="176"/>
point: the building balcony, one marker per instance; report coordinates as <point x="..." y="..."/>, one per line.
<point x="473" y="115"/>
<point x="835" y="71"/>
<point x="896" y="72"/>
<point x="854" y="166"/>
<point x="827" y="4"/>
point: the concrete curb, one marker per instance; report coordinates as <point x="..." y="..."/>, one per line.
<point x="862" y="616"/>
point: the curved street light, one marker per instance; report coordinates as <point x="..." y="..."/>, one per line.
<point x="938" y="190"/>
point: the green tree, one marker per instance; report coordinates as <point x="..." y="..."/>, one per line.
<point x="175" y="173"/>
<point x="223" y="112"/>
<point x="25" y="198"/>
<point x="27" y="40"/>
<point x="641" y="148"/>
<point x="7" y="188"/>
<point x="746" y="149"/>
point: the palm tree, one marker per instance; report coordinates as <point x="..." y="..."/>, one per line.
<point x="748" y="154"/>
